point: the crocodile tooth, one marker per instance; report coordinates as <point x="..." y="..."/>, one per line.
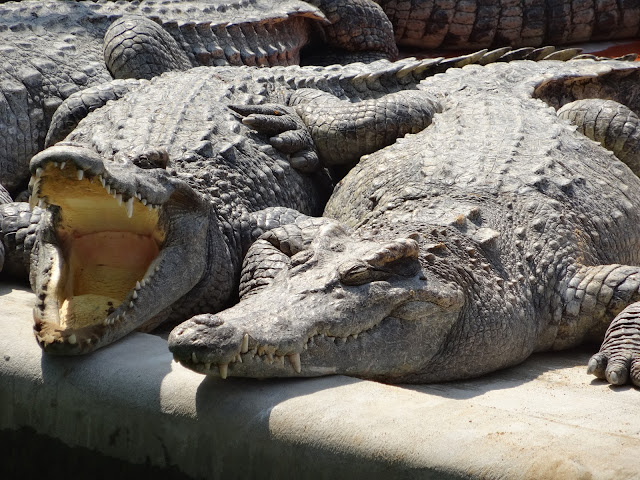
<point x="41" y="203"/>
<point x="130" y="304"/>
<point x="32" y="180"/>
<point x="72" y="339"/>
<point x="239" y="358"/>
<point x="102" y="180"/>
<point x="343" y="339"/>
<point x="62" y="165"/>
<point x="129" y="207"/>
<point x="80" y="174"/>
<point x="138" y="196"/>
<point x="119" y="198"/>
<point x="55" y="164"/>
<point x="269" y="358"/>
<point x="295" y="362"/>
<point x="138" y="286"/>
<point x="150" y="207"/>
<point x="135" y="295"/>
<point x="194" y="358"/>
<point x="144" y="201"/>
<point x="224" y="369"/>
<point x="39" y="172"/>
<point x="143" y="282"/>
<point x="355" y="336"/>
<point x="244" y="348"/>
<point x="108" y="189"/>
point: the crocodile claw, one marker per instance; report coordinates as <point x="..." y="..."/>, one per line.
<point x="618" y="361"/>
<point x="287" y="132"/>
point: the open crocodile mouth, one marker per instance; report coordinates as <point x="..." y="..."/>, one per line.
<point x="98" y="251"/>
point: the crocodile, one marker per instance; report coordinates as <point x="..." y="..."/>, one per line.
<point x="499" y="230"/>
<point x="54" y="48"/>
<point x="474" y="24"/>
<point x="141" y="215"/>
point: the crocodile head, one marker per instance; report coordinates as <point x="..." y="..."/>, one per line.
<point x="111" y="254"/>
<point x="342" y="306"/>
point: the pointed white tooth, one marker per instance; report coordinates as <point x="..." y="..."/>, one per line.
<point x="105" y="321"/>
<point x="138" y="286"/>
<point x="224" y="369"/>
<point x="130" y="304"/>
<point x="80" y="174"/>
<point x="144" y="201"/>
<point x="72" y="339"/>
<point x="118" y="198"/>
<point x="55" y="164"/>
<point x="143" y="282"/>
<point x="244" y="348"/>
<point x="102" y="180"/>
<point x="32" y="180"/>
<point x="343" y="340"/>
<point x="39" y="172"/>
<point x="157" y="268"/>
<point x="207" y="365"/>
<point x="355" y="336"/>
<point x="150" y="207"/>
<point x="129" y="207"/>
<point x="194" y="358"/>
<point x="41" y="203"/>
<point x="239" y="358"/>
<point x="135" y="295"/>
<point x="138" y="196"/>
<point x="295" y="362"/>
<point x="108" y="189"/>
<point x="62" y="165"/>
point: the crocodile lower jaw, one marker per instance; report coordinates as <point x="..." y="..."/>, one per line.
<point x="102" y="249"/>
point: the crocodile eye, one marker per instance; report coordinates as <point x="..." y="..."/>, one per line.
<point x="358" y="273"/>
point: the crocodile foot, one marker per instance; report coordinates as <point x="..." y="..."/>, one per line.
<point x="287" y="132"/>
<point x="618" y="360"/>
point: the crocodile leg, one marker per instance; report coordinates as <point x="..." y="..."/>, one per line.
<point x="618" y="360"/>
<point x="612" y="124"/>
<point x="273" y="251"/>
<point x="287" y="132"/>
<point x="81" y="103"/>
<point x="590" y="298"/>
<point x="343" y="131"/>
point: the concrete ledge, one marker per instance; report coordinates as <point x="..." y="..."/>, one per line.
<point x="543" y="419"/>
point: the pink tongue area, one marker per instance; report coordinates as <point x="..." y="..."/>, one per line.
<point x="103" y="269"/>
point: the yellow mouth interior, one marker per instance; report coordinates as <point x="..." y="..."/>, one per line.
<point x="104" y="251"/>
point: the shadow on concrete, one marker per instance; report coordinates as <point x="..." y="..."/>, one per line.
<point x="532" y="368"/>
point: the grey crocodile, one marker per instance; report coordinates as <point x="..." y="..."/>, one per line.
<point x="497" y="231"/>
<point x="54" y="48"/>
<point x="145" y="210"/>
<point x="517" y="23"/>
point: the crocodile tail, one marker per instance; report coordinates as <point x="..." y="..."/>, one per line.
<point x="482" y="24"/>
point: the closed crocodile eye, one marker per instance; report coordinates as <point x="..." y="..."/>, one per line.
<point x="355" y="273"/>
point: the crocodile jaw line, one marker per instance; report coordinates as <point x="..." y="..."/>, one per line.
<point x="97" y="267"/>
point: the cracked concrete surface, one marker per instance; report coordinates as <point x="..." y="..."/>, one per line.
<point x="543" y="419"/>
